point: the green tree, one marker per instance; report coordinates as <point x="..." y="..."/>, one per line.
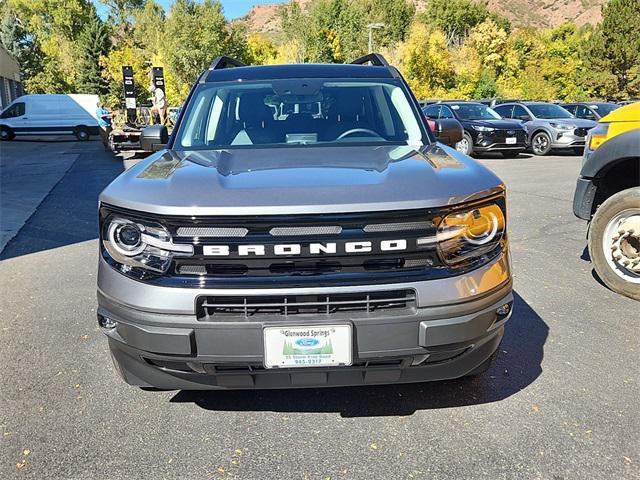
<point x="457" y="17"/>
<point x="396" y="15"/>
<point x="94" y="43"/>
<point x="195" y="33"/>
<point x="53" y="30"/>
<point x="613" y="51"/>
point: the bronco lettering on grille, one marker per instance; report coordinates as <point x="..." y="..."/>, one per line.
<point x="290" y="249"/>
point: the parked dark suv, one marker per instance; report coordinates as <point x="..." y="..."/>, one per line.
<point x="484" y="129"/>
<point x="302" y="227"/>
<point x="590" y="111"/>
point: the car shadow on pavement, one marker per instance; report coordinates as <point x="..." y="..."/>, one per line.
<point x="68" y="214"/>
<point x="517" y="366"/>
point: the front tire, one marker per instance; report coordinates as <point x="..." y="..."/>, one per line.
<point x="6" y="134"/>
<point x="541" y="143"/>
<point x="465" y="145"/>
<point x="614" y="242"/>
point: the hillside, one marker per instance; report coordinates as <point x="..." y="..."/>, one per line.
<point x="534" y="13"/>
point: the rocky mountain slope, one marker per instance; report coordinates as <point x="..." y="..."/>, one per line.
<point x="534" y="13"/>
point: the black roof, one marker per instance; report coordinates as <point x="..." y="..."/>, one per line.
<point x="305" y="70"/>
<point x="456" y="102"/>
<point x="600" y="102"/>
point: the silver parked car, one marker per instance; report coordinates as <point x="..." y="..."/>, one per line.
<point x="549" y="126"/>
<point x="340" y="247"/>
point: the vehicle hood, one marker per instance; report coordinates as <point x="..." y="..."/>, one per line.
<point x="626" y="113"/>
<point x="299" y="180"/>
<point x="498" y="124"/>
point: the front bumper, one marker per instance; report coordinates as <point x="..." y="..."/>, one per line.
<point x="567" y="140"/>
<point x="156" y="343"/>
<point x="583" y="198"/>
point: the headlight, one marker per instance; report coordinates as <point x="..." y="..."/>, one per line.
<point x="481" y="128"/>
<point x="562" y="126"/>
<point x="471" y="233"/>
<point x="140" y="244"/>
<point x="597" y="135"/>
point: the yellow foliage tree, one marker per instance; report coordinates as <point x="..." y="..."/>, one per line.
<point x="426" y="63"/>
<point x="260" y="50"/>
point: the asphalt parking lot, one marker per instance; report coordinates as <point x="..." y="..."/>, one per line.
<point x="561" y="403"/>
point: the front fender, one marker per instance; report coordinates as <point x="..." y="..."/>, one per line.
<point x="625" y="145"/>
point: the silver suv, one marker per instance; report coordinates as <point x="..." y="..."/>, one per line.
<point x="302" y="227"/>
<point x="549" y="126"/>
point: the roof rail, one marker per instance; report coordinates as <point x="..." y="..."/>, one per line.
<point x="375" y="59"/>
<point x="225" y="62"/>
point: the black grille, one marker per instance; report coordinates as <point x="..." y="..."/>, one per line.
<point x="418" y="261"/>
<point x="212" y="308"/>
<point x="580" y="132"/>
<point x="303" y="231"/>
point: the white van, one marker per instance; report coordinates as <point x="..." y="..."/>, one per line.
<point x="50" y="114"/>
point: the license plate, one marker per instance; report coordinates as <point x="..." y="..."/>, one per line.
<point x="308" y="346"/>
<point x="511" y="140"/>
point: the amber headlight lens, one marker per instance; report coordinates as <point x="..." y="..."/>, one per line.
<point x="597" y="136"/>
<point x="140" y="244"/>
<point x="462" y="236"/>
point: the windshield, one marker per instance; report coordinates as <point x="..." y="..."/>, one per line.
<point x="604" y="108"/>
<point x="474" y="111"/>
<point x="543" y="110"/>
<point x="299" y="111"/>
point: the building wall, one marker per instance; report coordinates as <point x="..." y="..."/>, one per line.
<point x="10" y="80"/>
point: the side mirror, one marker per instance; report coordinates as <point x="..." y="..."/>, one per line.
<point x="448" y="131"/>
<point x="524" y="118"/>
<point x="153" y="138"/>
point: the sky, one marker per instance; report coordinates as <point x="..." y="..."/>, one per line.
<point x="232" y="8"/>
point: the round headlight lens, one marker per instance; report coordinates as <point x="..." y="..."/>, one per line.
<point x="129" y="235"/>
<point x="471" y="233"/>
<point x="126" y="237"/>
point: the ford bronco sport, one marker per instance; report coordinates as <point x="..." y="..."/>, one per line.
<point x="302" y="228"/>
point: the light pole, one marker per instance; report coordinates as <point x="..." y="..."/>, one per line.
<point x="372" y="27"/>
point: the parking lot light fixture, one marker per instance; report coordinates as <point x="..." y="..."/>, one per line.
<point x="372" y="27"/>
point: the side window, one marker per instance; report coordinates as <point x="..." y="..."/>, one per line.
<point x="432" y="111"/>
<point x="570" y="108"/>
<point x="446" y="112"/>
<point x="504" y="110"/>
<point x="584" y="112"/>
<point x="15" y="110"/>
<point x="520" y="113"/>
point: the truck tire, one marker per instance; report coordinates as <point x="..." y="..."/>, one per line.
<point x="614" y="242"/>
<point x="6" y="134"/>
<point x="541" y="143"/>
<point x="82" y="133"/>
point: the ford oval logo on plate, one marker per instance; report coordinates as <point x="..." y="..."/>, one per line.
<point x="307" y="342"/>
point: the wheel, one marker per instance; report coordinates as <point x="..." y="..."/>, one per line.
<point x="6" y="134"/>
<point x="82" y="134"/>
<point x="484" y="366"/>
<point x="614" y="242"/>
<point x="541" y="143"/>
<point x="511" y="154"/>
<point x="465" y="145"/>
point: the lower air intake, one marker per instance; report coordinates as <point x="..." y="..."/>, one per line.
<point x="212" y="308"/>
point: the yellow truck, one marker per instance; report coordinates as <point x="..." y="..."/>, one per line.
<point x="608" y="196"/>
